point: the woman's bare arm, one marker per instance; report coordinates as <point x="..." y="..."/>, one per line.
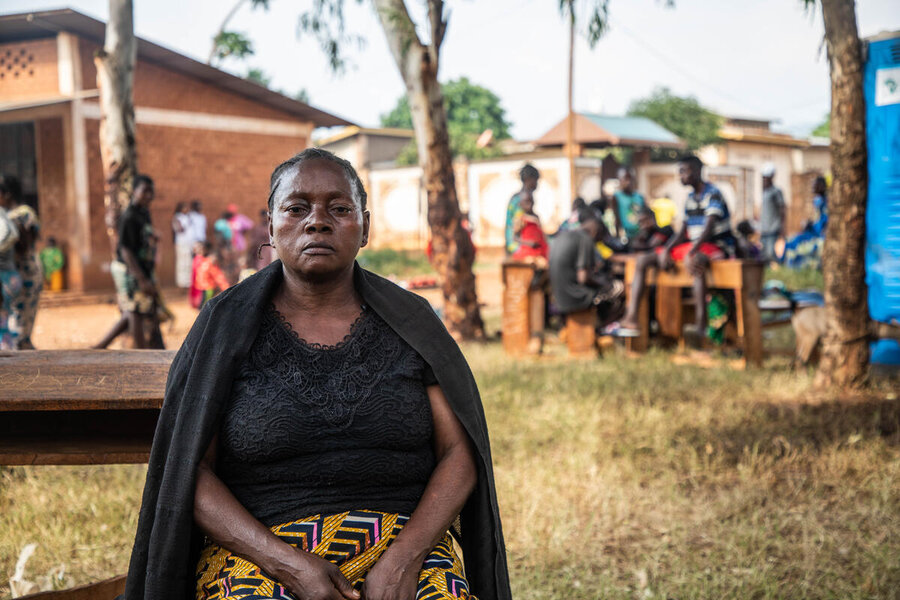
<point x="225" y="520"/>
<point x="395" y="575"/>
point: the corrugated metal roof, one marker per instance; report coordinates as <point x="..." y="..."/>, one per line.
<point x="599" y="131"/>
<point x="41" y="24"/>
<point x="634" y="129"/>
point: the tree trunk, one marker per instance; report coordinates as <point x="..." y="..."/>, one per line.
<point x="115" y="78"/>
<point x="453" y="252"/>
<point x="845" y="352"/>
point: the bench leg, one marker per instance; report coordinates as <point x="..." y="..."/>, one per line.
<point x="642" y="342"/>
<point x="749" y="321"/>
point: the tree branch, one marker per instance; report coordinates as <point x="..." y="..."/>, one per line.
<point x="438" y="24"/>
<point x="228" y="17"/>
<point x="400" y="30"/>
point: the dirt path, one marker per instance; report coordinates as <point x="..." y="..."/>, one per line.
<point x="70" y="327"/>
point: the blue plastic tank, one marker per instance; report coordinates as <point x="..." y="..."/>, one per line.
<point x="882" y="92"/>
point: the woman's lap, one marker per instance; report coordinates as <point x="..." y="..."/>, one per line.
<point x="353" y="540"/>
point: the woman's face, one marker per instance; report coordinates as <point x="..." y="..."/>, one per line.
<point x="317" y="227"/>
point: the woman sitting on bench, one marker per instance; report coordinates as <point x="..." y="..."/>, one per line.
<point x="321" y="430"/>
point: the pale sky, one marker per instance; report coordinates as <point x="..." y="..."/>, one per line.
<point x="757" y="58"/>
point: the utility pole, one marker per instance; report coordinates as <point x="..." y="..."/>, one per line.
<point x="570" y="121"/>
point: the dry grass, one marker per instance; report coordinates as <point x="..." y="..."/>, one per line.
<point x="618" y="478"/>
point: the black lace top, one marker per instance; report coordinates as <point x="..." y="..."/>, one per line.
<point x="313" y="429"/>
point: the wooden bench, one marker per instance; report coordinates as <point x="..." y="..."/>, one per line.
<point x="80" y="407"/>
<point x="523" y="310"/>
<point x="744" y="277"/>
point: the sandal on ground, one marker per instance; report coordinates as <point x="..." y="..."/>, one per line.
<point x="616" y="329"/>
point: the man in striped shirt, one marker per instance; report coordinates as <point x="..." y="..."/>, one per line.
<point x="705" y="236"/>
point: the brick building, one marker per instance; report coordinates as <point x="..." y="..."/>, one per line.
<point x="201" y="134"/>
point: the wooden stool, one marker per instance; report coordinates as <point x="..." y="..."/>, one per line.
<point x="581" y="333"/>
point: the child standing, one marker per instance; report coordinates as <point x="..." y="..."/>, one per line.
<point x="528" y="232"/>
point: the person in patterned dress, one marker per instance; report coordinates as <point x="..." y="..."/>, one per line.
<point x="25" y="305"/>
<point x="326" y="461"/>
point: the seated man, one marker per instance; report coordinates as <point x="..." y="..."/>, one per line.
<point x="705" y="235"/>
<point x="575" y="277"/>
<point x="649" y="235"/>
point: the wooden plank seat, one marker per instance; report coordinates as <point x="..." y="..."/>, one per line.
<point x="76" y="407"/>
<point x="73" y="407"/>
<point x="107" y="589"/>
<point x="744" y="277"/>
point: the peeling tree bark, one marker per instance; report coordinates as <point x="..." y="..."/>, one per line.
<point x="453" y="252"/>
<point x="115" y="79"/>
<point x="845" y="352"/>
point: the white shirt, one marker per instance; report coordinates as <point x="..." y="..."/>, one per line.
<point x="198" y="226"/>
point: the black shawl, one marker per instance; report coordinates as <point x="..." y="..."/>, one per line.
<point x="167" y="543"/>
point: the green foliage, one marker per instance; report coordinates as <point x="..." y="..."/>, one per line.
<point x="232" y="44"/>
<point x="597" y="16"/>
<point x="325" y="21"/>
<point x="683" y="116"/>
<point x="258" y="76"/>
<point x="824" y="128"/>
<point x="302" y="96"/>
<point x="471" y="110"/>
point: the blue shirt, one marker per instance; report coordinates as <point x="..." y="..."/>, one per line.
<point x="707" y="203"/>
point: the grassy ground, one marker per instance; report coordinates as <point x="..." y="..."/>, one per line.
<point x="398" y="263"/>
<point x="618" y="478"/>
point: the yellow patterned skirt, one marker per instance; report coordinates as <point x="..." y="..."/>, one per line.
<point x="352" y="540"/>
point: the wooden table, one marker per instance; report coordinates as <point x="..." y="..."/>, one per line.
<point x="78" y="407"/>
<point x="744" y="277"/>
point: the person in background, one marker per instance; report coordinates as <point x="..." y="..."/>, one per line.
<point x="25" y="304"/>
<point x="607" y="244"/>
<point x="529" y="235"/>
<point x="628" y="202"/>
<point x="240" y="224"/>
<point x="664" y="209"/>
<point x="608" y="201"/>
<point x="134" y="267"/>
<point x="10" y="281"/>
<point x="743" y="235"/>
<point x="259" y="251"/>
<point x="771" y="226"/>
<point x="705" y="236"/>
<point x="650" y="235"/>
<point x="210" y="279"/>
<point x="195" y="294"/>
<point x="222" y="231"/>
<point x="572" y="221"/>
<point x="184" y="242"/>
<point x="805" y="248"/>
<point x="529" y="176"/>
<point x="198" y="221"/>
<point x="52" y="262"/>
<point x="576" y="277"/>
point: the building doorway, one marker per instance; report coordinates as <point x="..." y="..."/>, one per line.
<point x="18" y="158"/>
